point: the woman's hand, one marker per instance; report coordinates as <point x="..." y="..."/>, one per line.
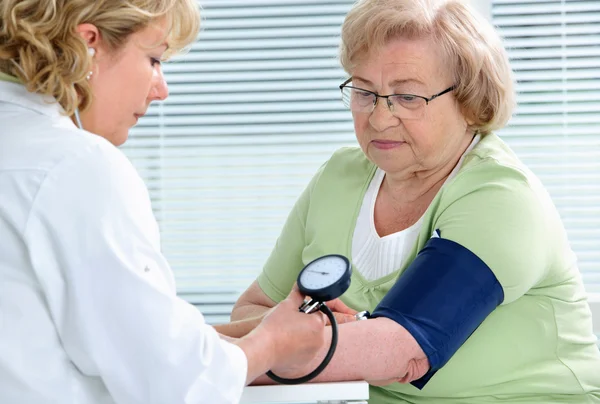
<point x="343" y="314"/>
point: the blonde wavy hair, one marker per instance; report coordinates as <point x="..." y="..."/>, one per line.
<point x="39" y="43"/>
<point x="473" y="49"/>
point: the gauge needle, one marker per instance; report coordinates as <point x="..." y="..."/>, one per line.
<point x="318" y="272"/>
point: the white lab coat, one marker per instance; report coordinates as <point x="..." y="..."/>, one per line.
<point x="88" y="310"/>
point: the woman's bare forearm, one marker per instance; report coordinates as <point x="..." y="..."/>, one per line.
<point x="251" y="304"/>
<point x="377" y="350"/>
<point x="248" y="311"/>
<point x="238" y="329"/>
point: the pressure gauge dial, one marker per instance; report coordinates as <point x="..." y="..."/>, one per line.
<point x="325" y="278"/>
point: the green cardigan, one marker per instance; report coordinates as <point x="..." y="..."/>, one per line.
<point x="537" y="347"/>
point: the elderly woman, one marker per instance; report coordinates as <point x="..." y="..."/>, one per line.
<point x="456" y="247"/>
<point x="88" y="310"/>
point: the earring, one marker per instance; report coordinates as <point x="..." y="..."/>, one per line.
<point x="91" y="52"/>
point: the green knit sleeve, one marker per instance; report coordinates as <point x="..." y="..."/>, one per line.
<point x="285" y="262"/>
<point x="506" y="220"/>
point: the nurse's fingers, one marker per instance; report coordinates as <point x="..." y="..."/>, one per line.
<point x="295" y="296"/>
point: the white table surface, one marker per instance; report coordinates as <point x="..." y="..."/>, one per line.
<point x="307" y="393"/>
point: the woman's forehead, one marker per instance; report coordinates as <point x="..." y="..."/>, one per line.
<point x="154" y="35"/>
<point x="402" y="61"/>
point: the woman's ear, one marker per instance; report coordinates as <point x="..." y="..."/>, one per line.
<point x="90" y="34"/>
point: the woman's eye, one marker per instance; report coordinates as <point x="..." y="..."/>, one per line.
<point x="363" y="94"/>
<point x="154" y="61"/>
<point x="406" y="97"/>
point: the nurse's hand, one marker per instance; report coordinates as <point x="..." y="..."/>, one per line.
<point x="296" y="337"/>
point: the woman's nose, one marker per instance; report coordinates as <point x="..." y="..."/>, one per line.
<point x="382" y="118"/>
<point x="160" y="89"/>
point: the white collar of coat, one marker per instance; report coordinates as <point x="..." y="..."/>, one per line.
<point x="15" y="93"/>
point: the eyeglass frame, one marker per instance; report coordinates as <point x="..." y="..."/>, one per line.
<point x="387" y="97"/>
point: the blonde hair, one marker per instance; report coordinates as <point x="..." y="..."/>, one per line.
<point x="39" y="43"/>
<point x="481" y="70"/>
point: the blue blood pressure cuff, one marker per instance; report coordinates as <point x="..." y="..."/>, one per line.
<point x="441" y="298"/>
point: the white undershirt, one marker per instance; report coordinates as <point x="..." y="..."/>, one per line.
<point x="374" y="256"/>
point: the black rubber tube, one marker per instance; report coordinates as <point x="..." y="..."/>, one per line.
<point x="326" y="360"/>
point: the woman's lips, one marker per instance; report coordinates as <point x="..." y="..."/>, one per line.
<point x="387" y="144"/>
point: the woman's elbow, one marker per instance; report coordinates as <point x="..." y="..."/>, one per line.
<point x="415" y="369"/>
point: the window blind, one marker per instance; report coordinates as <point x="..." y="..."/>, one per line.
<point x="554" y="47"/>
<point x="254" y="110"/>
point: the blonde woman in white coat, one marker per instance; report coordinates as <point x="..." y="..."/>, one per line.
<point x="88" y="306"/>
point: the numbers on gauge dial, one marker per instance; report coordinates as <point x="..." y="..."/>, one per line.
<point x="323" y="273"/>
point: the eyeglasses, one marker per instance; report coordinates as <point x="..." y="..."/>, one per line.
<point x="403" y="106"/>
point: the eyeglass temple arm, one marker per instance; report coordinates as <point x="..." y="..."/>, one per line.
<point x="433" y="97"/>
